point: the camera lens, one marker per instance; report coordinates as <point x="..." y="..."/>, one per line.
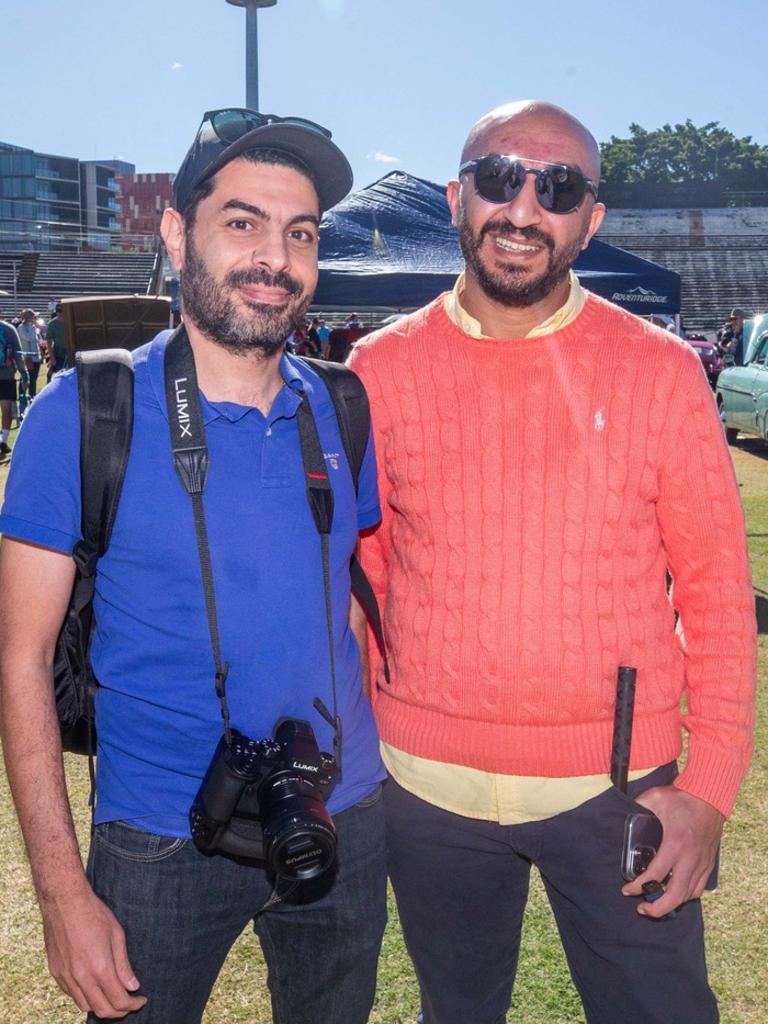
<point x="642" y="857"/>
<point x="299" y="837"/>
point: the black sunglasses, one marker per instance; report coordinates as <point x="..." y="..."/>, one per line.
<point x="232" y="123"/>
<point x="560" y="188"/>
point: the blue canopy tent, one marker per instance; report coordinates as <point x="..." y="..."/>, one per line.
<point x="392" y="245"/>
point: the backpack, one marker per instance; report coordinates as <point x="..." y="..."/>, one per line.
<point x="105" y="393"/>
<point x="9" y="362"/>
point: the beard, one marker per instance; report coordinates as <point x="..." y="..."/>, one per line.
<point x="209" y="304"/>
<point x="513" y="285"/>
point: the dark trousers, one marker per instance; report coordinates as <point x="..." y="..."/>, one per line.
<point x="182" y="911"/>
<point x="461" y="888"/>
<point x="33" y="369"/>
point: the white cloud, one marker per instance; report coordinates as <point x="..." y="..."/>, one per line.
<point x="384" y="158"/>
<point x="176" y="66"/>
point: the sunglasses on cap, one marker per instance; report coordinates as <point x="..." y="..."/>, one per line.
<point x="560" y="188"/>
<point x="231" y="123"/>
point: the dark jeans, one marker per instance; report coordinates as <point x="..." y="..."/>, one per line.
<point x="182" y="911"/>
<point x="33" y="369"/>
<point x="461" y="888"/>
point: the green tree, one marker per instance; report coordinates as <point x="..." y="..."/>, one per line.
<point x="685" y="154"/>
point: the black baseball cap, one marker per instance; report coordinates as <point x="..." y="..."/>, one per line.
<point x="225" y="134"/>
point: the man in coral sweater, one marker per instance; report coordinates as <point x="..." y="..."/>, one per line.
<point x="545" y="458"/>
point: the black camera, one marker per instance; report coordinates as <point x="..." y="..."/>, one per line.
<point x="264" y="800"/>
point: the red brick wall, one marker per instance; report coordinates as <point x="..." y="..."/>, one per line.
<point x="143" y="199"/>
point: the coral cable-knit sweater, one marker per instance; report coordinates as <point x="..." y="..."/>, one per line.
<point x="535" y="491"/>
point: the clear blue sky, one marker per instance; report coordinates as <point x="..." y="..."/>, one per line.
<point x="401" y="79"/>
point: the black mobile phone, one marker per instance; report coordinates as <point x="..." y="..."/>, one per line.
<point x="642" y="839"/>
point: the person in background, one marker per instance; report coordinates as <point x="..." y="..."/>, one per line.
<point x="730" y="337"/>
<point x="56" y="339"/>
<point x="11" y="360"/>
<point x="298" y="340"/>
<point x="29" y="336"/>
<point x="314" y="347"/>
<point x="323" y="333"/>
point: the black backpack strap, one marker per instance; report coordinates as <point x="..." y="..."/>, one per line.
<point x="105" y="391"/>
<point x="105" y="394"/>
<point x="352" y="409"/>
<point x="363" y="591"/>
<point x="353" y="412"/>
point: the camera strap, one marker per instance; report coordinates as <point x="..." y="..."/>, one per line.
<point x="190" y="459"/>
<point x="320" y="498"/>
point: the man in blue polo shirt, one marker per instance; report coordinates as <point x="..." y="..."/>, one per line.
<point x="146" y="931"/>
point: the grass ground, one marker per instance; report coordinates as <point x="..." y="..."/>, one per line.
<point x="736" y="913"/>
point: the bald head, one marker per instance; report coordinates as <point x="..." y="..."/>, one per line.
<point x="537" y="130"/>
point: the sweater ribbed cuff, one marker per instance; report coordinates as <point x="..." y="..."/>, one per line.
<point x="713" y="776"/>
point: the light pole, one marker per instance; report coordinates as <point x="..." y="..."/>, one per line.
<point x="252" y="48"/>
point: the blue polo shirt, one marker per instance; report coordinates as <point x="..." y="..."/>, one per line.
<point x="158" y="716"/>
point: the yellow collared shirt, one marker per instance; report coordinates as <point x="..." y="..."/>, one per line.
<point x="560" y="318"/>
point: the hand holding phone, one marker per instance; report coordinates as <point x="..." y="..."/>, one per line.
<point x="643" y="834"/>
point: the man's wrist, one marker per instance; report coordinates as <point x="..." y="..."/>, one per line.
<point x="62" y="889"/>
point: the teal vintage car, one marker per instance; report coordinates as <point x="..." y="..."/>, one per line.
<point x="742" y="391"/>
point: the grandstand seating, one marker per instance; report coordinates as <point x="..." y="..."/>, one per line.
<point x="25" y="280"/>
<point x="43" y="276"/>
<point x="720" y="254"/>
<point x="716" y="275"/>
<point x="9" y="268"/>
